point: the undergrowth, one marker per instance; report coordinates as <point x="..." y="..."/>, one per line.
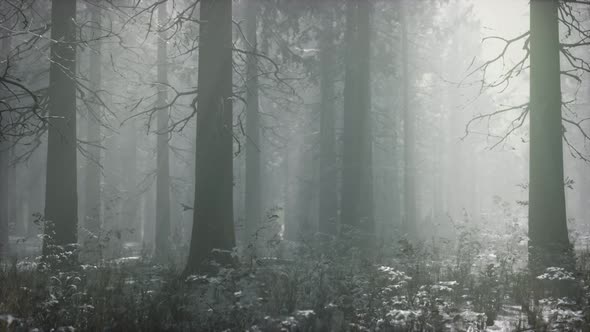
<point x="321" y="284"/>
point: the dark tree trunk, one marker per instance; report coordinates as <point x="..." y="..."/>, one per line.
<point x="213" y="227"/>
<point x="61" y="200"/>
<point x="5" y="195"/>
<point x="162" y="249"/>
<point x="253" y="202"/>
<point x="129" y="225"/>
<point x="357" y="189"/>
<point x="291" y="185"/>
<point x="129" y="222"/>
<point x="93" y="173"/>
<point x="548" y="234"/>
<point x="4" y="201"/>
<point x="328" y="196"/>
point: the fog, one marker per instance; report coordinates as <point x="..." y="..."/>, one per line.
<point x="259" y="165"/>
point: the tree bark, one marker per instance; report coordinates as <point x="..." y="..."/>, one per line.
<point x="357" y="186"/>
<point x="162" y="245"/>
<point x="61" y="200"/>
<point x="5" y="197"/>
<point x="129" y="206"/>
<point x="328" y="196"/>
<point x="93" y="173"/>
<point x="409" y="222"/>
<point x="364" y="98"/>
<point x="253" y="202"/>
<point x="548" y="234"/>
<point x="213" y="227"/>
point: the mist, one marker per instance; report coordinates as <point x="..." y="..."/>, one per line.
<point x="282" y="165"/>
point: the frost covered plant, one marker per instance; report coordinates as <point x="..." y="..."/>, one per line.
<point x="317" y="286"/>
<point x="557" y="281"/>
<point x="488" y="293"/>
<point x="562" y="314"/>
<point x="556" y="273"/>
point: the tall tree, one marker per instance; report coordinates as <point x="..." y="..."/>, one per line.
<point x="328" y="196"/>
<point x="61" y="199"/>
<point x="213" y="227"/>
<point x="409" y="222"/>
<point x="5" y="199"/>
<point x="93" y="173"/>
<point x="129" y="223"/>
<point x="129" y="178"/>
<point x="120" y="155"/>
<point x="357" y="186"/>
<point x="253" y="194"/>
<point x="4" y="164"/>
<point x="548" y="234"/>
<point x="162" y="247"/>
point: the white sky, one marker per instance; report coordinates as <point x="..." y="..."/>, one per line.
<point x="507" y="19"/>
<point x="502" y="17"/>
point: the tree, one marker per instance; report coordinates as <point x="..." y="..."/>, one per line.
<point x="357" y="186"/>
<point x="409" y="134"/>
<point x="61" y="200"/>
<point x="253" y="195"/>
<point x="548" y="234"/>
<point x="328" y="204"/>
<point x="549" y="126"/>
<point x="4" y="167"/>
<point x="121" y="148"/>
<point x="93" y="173"/>
<point x="162" y="245"/>
<point x="213" y="228"/>
<point x="128" y="144"/>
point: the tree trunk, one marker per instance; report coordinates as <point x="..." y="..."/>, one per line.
<point x="409" y="223"/>
<point x="357" y="189"/>
<point x="253" y="201"/>
<point x="5" y="198"/>
<point x="437" y="171"/>
<point x="93" y="172"/>
<point x="364" y="98"/>
<point x="162" y="245"/>
<point x="548" y="234"/>
<point x="129" y="223"/>
<point x="395" y="174"/>
<point x="13" y="194"/>
<point x="291" y="185"/>
<point x="213" y="227"/>
<point x="61" y="200"/>
<point x="328" y="198"/>
<point x="4" y="164"/>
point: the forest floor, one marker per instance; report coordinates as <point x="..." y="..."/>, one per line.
<point x="321" y="285"/>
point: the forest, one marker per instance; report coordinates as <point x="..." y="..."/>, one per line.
<point x="295" y="165"/>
